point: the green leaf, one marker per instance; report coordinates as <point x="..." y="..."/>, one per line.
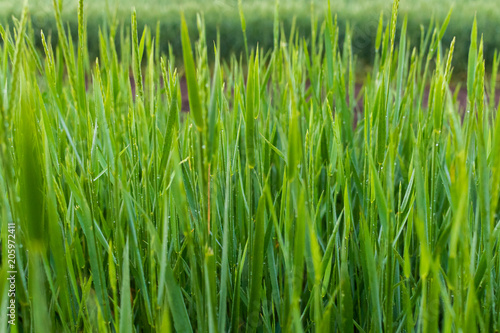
<point x="256" y="261"/>
<point x="192" y="82"/>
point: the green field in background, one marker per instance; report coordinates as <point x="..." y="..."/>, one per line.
<point x="223" y="16"/>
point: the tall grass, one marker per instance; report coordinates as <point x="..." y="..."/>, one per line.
<point x="286" y="200"/>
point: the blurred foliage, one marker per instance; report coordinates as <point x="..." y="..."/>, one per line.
<point x="222" y="16"/>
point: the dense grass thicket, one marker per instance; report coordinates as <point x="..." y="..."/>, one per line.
<point x="222" y="16"/>
<point x="285" y="200"/>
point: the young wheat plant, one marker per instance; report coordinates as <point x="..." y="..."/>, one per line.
<point x="287" y="199"/>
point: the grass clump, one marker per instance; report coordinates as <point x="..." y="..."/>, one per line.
<point x="287" y="199"/>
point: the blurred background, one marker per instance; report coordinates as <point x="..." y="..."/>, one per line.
<point x="362" y="16"/>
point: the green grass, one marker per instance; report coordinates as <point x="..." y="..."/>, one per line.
<point x="285" y="201"/>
